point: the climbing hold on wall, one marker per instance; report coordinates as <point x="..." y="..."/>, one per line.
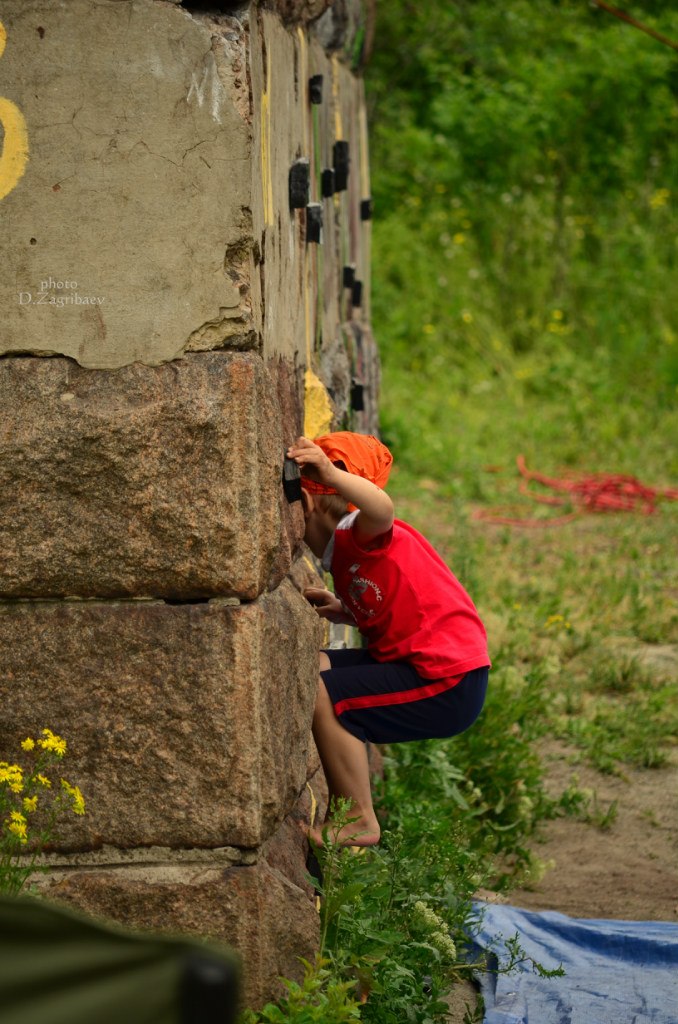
<point x="327" y="183"/>
<point x="357" y="293"/>
<point x="366" y="209"/>
<point x="314" y="222"/>
<point x="299" y="184"/>
<point x="315" y="89"/>
<point x="348" y="275"/>
<point x="291" y="480"/>
<point x="341" y="161"/>
<point x="357" y="396"/>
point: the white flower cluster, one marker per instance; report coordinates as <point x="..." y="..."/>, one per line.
<point x="438" y="937"/>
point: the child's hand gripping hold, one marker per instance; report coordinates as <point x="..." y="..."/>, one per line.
<point x="328" y="606"/>
<point x="312" y="460"/>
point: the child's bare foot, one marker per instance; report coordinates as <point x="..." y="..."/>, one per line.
<point x="360" y="832"/>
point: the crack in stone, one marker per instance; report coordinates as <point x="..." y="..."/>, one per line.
<point x="149" y="856"/>
<point x="141" y="142"/>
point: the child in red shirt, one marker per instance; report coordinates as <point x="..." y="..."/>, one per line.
<point x="425" y="669"/>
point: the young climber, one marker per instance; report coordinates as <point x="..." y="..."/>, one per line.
<point x="425" y="668"/>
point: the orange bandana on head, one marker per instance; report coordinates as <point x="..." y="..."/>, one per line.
<point x="361" y="454"/>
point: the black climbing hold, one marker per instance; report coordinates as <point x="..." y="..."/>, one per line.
<point x="357" y="293"/>
<point x="357" y="396"/>
<point x="314" y="222"/>
<point x="315" y="88"/>
<point x="348" y="276"/>
<point x="299" y="184"/>
<point x="291" y="480"/>
<point x="366" y="209"/>
<point x="327" y="183"/>
<point x="341" y="162"/>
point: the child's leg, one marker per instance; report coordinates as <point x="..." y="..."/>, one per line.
<point x="344" y="760"/>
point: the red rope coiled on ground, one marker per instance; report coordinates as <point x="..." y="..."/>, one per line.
<point x="597" y="492"/>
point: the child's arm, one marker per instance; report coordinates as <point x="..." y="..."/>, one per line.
<point x="328" y="606"/>
<point x="375" y="514"/>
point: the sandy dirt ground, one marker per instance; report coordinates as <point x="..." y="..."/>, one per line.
<point x="628" y="870"/>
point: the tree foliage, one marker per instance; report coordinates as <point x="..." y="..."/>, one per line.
<point x="525" y="174"/>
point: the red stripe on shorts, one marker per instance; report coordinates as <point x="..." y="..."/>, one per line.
<point x="380" y="700"/>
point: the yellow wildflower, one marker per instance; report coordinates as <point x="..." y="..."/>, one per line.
<point x="30" y="803"/>
<point x="459" y="238"/>
<point x="17" y="816"/>
<point x="76" y="796"/>
<point x="53" y="742"/>
<point x="28" y="744"/>
<point x="43" y="780"/>
<point x="467" y="317"/>
<point x="553" y="619"/>
<point x="18" y="829"/>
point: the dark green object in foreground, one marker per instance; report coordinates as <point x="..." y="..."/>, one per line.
<point x="60" y="968"/>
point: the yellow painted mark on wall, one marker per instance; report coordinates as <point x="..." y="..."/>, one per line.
<point x="266" y="182"/>
<point x="364" y="153"/>
<point x="303" y="78"/>
<point x="314" y="804"/>
<point x="317" y="406"/>
<point x="338" y="129"/>
<point x="15" y="146"/>
<point x="308" y="326"/>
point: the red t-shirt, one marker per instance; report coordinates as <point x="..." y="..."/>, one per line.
<point x="407" y="602"/>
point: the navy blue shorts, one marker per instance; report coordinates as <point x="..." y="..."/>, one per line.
<point x="389" y="702"/>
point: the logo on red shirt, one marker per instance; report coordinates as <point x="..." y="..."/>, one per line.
<point x="363" y="592"/>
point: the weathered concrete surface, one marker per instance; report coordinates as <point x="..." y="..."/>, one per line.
<point x="188" y="725"/>
<point x="145" y="481"/>
<point x="257" y="910"/>
<point x="137" y="187"/>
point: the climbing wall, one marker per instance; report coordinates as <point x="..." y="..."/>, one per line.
<point x="185" y="216"/>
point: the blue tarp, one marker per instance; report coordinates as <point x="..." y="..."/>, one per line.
<point x="617" y="972"/>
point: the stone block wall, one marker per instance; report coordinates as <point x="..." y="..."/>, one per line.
<point x="167" y="326"/>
